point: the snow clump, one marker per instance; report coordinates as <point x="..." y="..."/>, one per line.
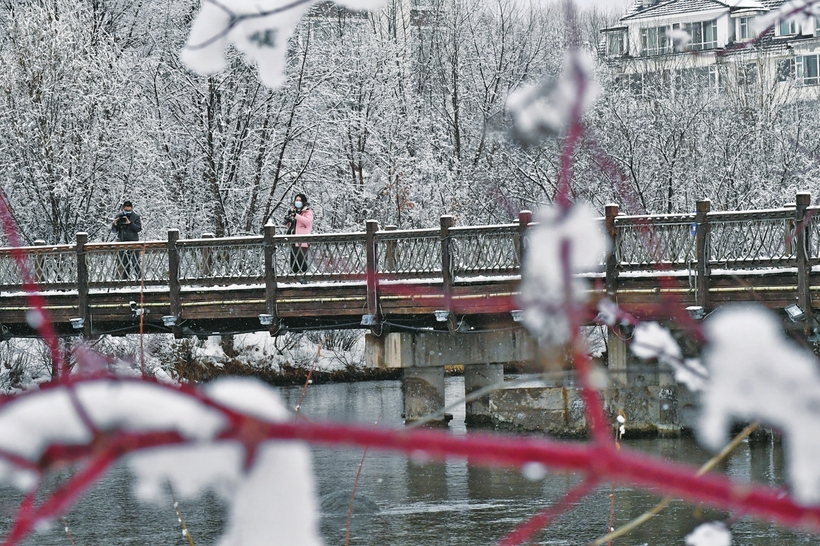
<point x="756" y="373"/>
<point x="272" y="497"/>
<point x="575" y="236"/>
<point x="713" y="533"/>
<point x="546" y="107"/>
<point x="651" y="340"/>
<point x="799" y="11"/>
<point x="258" y="28"/>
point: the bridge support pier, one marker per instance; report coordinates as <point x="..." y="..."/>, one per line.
<point x="476" y="377"/>
<point x="617" y="358"/>
<point x="424" y="354"/>
<point x="423" y="390"/>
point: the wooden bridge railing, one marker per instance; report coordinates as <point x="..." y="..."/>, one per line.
<point x="699" y="243"/>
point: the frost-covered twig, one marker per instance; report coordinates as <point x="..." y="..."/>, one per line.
<point x="185" y="532"/>
<point x="67" y="531"/>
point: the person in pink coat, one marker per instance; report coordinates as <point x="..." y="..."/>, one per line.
<point x="299" y="221"/>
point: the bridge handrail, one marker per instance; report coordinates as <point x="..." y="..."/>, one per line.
<point x="125" y="263"/>
<point x="478" y="230"/>
<point x="407" y="233"/>
<point x="746" y="215"/>
<point x="38" y="249"/>
<point x="485" y="250"/>
<point x="681" y="241"/>
<point x="124" y="245"/>
<point x="813" y="235"/>
<point x="51" y="265"/>
<point x="209" y="241"/>
<point x="752" y="239"/>
<point x="653" y="219"/>
<point x="654" y="242"/>
<point x="319" y="237"/>
<point x="407" y="253"/>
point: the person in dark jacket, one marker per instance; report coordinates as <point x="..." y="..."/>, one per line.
<point x="299" y="221"/>
<point x="127" y="225"/>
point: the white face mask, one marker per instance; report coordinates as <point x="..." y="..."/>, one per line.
<point x="298" y="204"/>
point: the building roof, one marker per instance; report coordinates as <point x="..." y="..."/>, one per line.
<point x="668" y="8"/>
<point x="665" y="8"/>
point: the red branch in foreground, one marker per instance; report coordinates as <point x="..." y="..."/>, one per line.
<point x="595" y="462"/>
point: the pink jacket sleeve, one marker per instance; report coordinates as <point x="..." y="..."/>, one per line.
<point x="304" y="222"/>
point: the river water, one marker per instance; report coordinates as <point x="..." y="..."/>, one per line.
<point x="402" y="502"/>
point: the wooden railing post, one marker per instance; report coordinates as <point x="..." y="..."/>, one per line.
<point x="446" y="269"/>
<point x="270" y="276"/>
<point x="524" y="219"/>
<point x="702" y="253"/>
<point x="390" y="250"/>
<point x="611" y="280"/>
<point x="803" y="263"/>
<point x="372" y="226"/>
<point x="173" y="280"/>
<point x="82" y="284"/>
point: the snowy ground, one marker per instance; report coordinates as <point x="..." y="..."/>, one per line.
<point x="24" y="363"/>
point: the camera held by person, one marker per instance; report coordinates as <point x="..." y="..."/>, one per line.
<point x="121" y="219"/>
<point x="290" y="217"/>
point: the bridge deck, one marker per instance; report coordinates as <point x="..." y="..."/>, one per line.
<point x="402" y="277"/>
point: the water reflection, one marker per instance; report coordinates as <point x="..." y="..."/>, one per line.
<point x="409" y="501"/>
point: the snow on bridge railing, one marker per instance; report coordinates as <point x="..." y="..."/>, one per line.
<point x="52" y="265"/>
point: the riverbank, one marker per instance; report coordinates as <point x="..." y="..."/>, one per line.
<point x="283" y="375"/>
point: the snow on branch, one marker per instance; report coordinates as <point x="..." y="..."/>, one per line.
<point x="794" y="10"/>
<point x="651" y="340"/>
<point x="710" y="534"/>
<point x="756" y="373"/>
<point x="564" y="243"/>
<point x="258" y="28"/>
<point x="214" y="438"/>
<point x="551" y="105"/>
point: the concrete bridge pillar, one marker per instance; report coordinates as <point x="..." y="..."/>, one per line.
<point x="617" y="352"/>
<point x="476" y="377"/>
<point x="423" y="390"/>
<point x="424" y="354"/>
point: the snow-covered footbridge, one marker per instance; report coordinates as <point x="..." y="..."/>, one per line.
<point x="392" y="279"/>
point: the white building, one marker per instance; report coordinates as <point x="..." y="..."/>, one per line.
<point x="716" y="38"/>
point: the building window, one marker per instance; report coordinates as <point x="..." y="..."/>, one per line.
<point x="746" y="74"/>
<point x="744" y="28"/>
<point x="703" y="35"/>
<point x="701" y="77"/>
<point x="654" y="41"/>
<point x="787" y="28"/>
<point x="817" y="26"/>
<point x="715" y="82"/>
<point x="616" y="44"/>
<point x="808" y="71"/>
<point x="785" y="70"/>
